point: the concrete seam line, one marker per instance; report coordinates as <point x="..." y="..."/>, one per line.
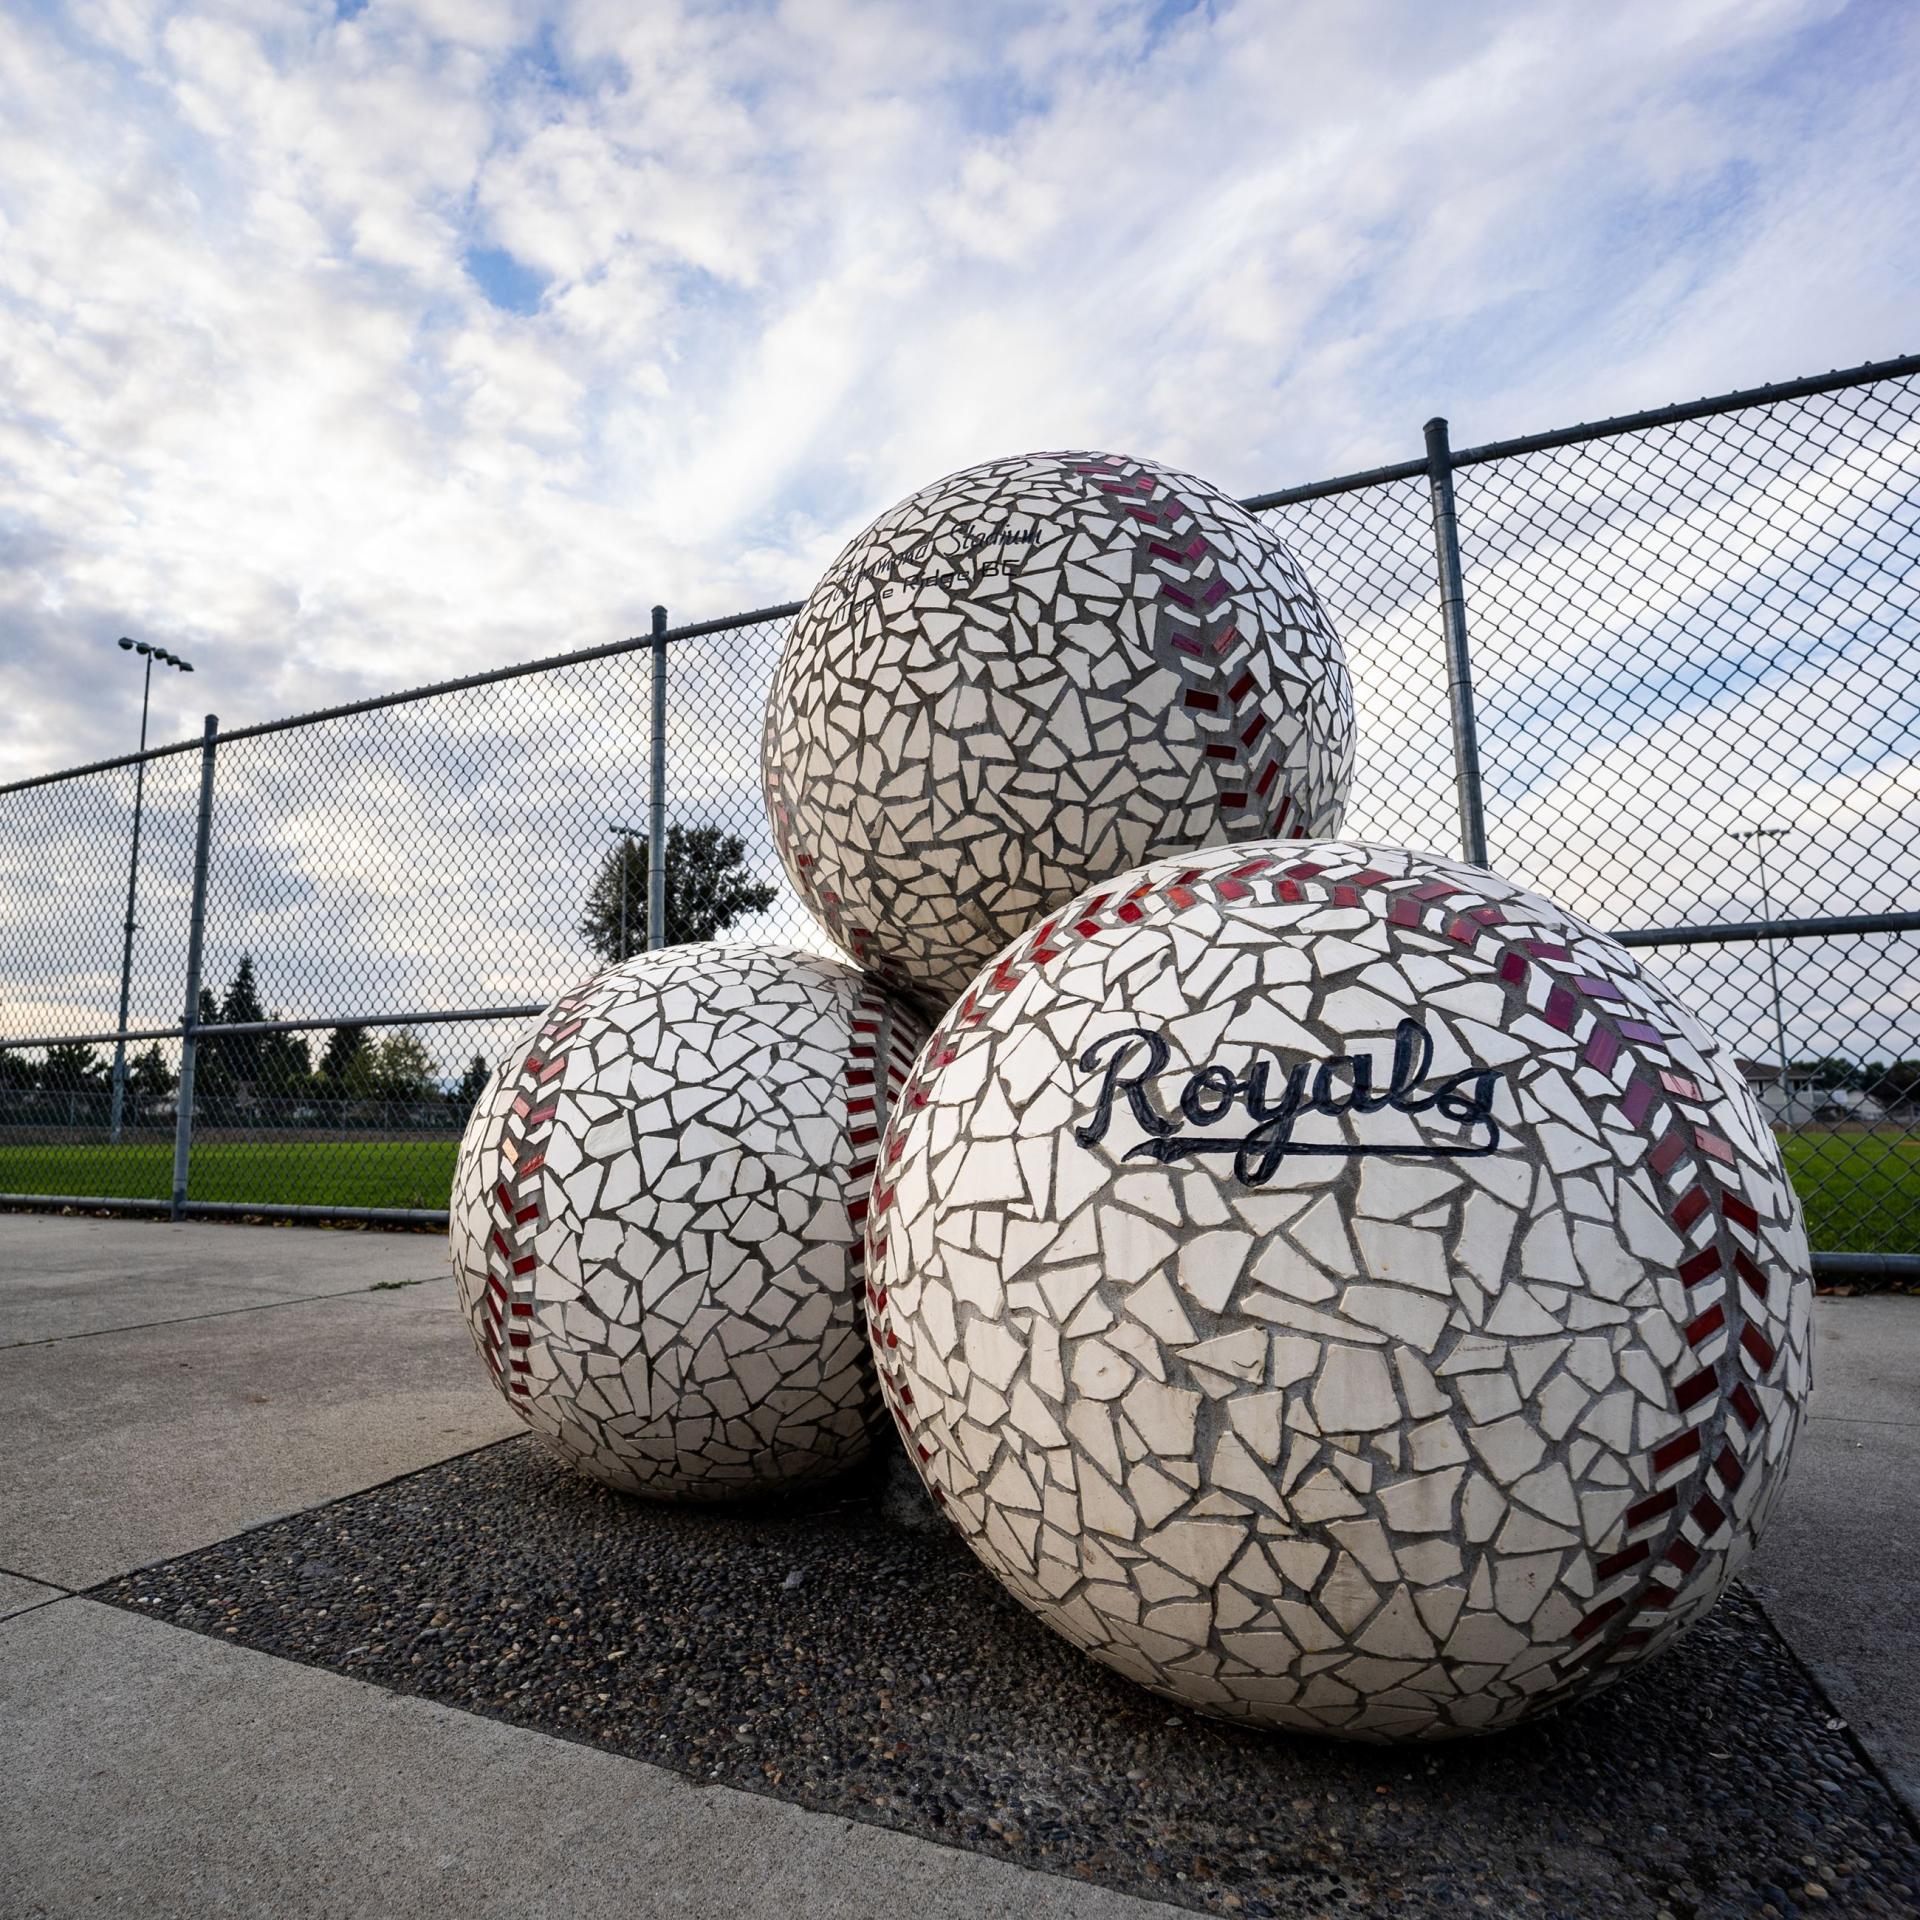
<point x="1854" y="1420"/>
<point x="37" y="1606"/>
<point x="93" y="1592"/>
<point x="213" y="1313"/>
<point x="1910" y="1814"/>
<point x="39" y="1580"/>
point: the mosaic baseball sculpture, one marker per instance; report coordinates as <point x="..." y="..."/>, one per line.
<point x="656" y="1218"/>
<point x="1339" y="1290"/>
<point x="1030" y="675"/>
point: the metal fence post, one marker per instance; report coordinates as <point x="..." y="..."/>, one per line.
<point x="196" y="936"/>
<point x="657" y="815"/>
<point x="1453" y="623"/>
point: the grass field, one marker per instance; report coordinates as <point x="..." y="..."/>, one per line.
<point x="305" y="1173"/>
<point x="1861" y="1189"/>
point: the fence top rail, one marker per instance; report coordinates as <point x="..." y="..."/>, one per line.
<point x="374" y="703"/>
<point x="1864" y="375"/>
<point x="1697" y="934"/>
<point x="1860" y="376"/>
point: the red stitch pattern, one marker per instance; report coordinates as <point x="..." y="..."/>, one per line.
<point x="1163" y="590"/>
<point x="1199" y="636"/>
<point x="509" y="1293"/>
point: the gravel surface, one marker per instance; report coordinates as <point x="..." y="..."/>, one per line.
<point x="849" y="1654"/>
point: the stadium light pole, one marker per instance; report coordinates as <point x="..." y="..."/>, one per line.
<point x="626" y="834"/>
<point x="1760" y="836"/>
<point x="133" y="871"/>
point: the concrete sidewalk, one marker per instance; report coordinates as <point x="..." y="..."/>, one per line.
<point x="1838" y="1569"/>
<point x="156" y="1400"/>
<point x="167" y="1774"/>
<point x="168" y="1386"/>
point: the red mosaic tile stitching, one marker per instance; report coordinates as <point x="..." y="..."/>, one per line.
<point x="1203" y="643"/>
<point x="515" y="1207"/>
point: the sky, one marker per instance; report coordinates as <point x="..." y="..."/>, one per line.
<point x="345" y="347"/>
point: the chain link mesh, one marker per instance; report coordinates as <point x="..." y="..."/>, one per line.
<point x="1696" y="653"/>
<point x="717" y="698"/>
<point x="1679" y="634"/>
<point x="1369" y="554"/>
<point x="64" y="860"/>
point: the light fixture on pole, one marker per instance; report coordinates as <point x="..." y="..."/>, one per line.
<point x="627" y="837"/>
<point x="133" y="870"/>
<point x="1760" y="836"/>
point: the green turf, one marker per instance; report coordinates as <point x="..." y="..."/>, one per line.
<point x="308" y="1173"/>
<point x="1861" y="1190"/>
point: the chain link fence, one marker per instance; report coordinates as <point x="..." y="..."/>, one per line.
<point x="1665" y="668"/>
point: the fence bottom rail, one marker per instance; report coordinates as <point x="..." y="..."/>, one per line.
<point x="1903" y="1268"/>
<point x="233" y="1210"/>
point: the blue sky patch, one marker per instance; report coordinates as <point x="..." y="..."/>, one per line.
<point x="508" y="283"/>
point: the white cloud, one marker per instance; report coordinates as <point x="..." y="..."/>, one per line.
<point x="796" y="259"/>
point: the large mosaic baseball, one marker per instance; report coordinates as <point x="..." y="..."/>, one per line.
<point x="1030" y="675"/>
<point x="1338" y="1290"/>
<point x="657" y="1211"/>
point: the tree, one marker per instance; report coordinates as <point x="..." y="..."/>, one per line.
<point x="73" y="1066"/>
<point x="16" y="1069"/>
<point x="346" y="1068"/>
<point x="402" y="1067"/>
<point x="149" y="1075"/>
<point x="1827" y="1075"/>
<point x="240" y="1004"/>
<point x="1899" y="1083"/>
<point x="473" y="1083"/>
<point x="212" y="1068"/>
<point x="708" y="889"/>
<point x="285" y="1064"/>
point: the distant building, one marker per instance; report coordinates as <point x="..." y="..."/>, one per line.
<point x="1802" y="1101"/>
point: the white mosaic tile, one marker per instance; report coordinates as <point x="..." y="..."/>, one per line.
<point x="1388" y="1359"/>
<point x="1030" y="675"/>
<point x="657" y="1211"/>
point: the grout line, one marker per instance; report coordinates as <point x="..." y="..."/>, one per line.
<point x="214" y="1313"/>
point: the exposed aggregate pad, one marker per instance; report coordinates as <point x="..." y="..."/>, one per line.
<point x="816" y="1650"/>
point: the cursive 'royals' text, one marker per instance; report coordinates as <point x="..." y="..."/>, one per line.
<point x="1129" y="1059"/>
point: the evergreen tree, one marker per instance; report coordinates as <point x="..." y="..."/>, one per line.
<point x="241" y="1004"/>
<point x="17" y="1068"/>
<point x="212" y="1070"/>
<point x="73" y="1066"/>
<point x="708" y="889"/>
<point x="149" y="1075"/>
<point x="473" y="1083"/>
<point x="286" y="1065"/>
<point x="346" y="1068"/>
